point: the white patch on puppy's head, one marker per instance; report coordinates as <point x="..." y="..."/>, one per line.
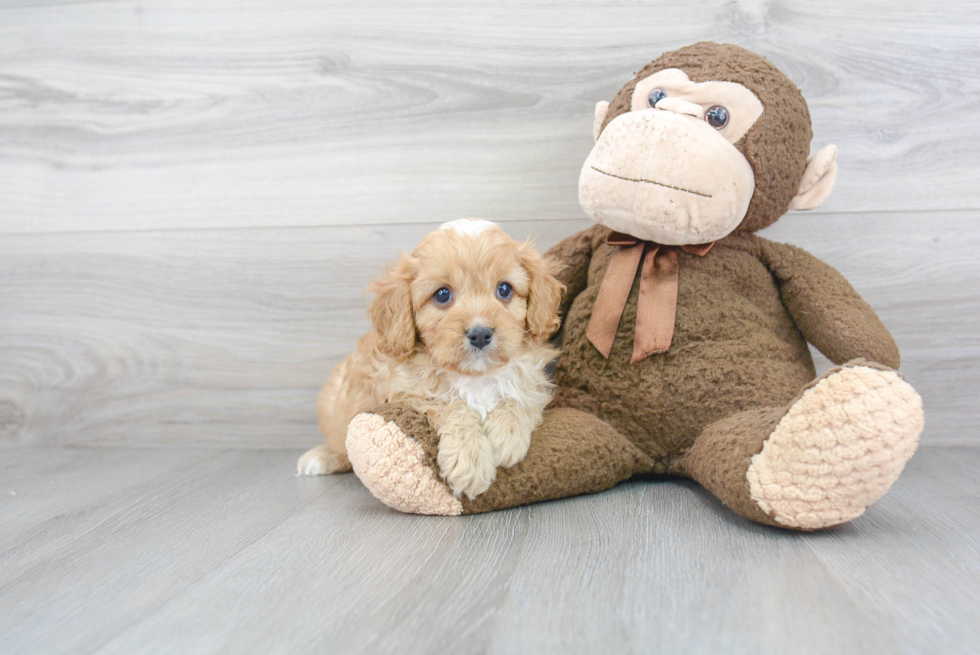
<point x="468" y="226"/>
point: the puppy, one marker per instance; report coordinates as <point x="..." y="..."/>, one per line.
<point x="460" y="332"/>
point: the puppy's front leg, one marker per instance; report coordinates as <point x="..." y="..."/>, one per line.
<point x="509" y="427"/>
<point x="465" y="456"/>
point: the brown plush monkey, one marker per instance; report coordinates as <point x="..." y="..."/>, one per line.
<point x="684" y="338"/>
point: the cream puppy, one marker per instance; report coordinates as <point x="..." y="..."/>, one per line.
<point x="460" y="332"/>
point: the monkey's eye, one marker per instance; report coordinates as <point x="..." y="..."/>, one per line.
<point x="656" y="96"/>
<point x="717" y="117"/>
<point x="505" y="291"/>
<point x="442" y="295"/>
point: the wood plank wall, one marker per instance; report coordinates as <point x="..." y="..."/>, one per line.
<point x="194" y="194"/>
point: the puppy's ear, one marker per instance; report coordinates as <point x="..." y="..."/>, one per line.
<point x="544" y="293"/>
<point x="391" y="310"/>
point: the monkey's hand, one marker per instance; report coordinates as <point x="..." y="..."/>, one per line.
<point x="826" y="308"/>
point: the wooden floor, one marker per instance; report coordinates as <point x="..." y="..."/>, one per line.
<point x="218" y="551"/>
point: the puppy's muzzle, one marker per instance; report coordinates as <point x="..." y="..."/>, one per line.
<point x="479" y="336"/>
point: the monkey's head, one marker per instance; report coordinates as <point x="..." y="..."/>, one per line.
<point x="701" y="142"/>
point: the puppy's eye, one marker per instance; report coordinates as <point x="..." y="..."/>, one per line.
<point x="442" y="295"/>
<point x="656" y="96"/>
<point x="504" y="291"/>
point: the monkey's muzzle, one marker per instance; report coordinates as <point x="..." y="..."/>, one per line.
<point x="666" y="177"/>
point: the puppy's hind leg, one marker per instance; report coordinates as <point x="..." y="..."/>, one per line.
<point x="322" y="460"/>
<point x="331" y="457"/>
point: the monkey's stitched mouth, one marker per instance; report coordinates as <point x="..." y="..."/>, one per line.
<point x="666" y="186"/>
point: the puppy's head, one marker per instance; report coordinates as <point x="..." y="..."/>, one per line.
<point x="471" y="296"/>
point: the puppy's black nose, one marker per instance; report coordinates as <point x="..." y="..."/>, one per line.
<point x="479" y="336"/>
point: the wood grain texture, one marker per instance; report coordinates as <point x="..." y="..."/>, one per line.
<point x="223" y="337"/>
<point x="193" y="195"/>
<point x="149" y="115"/>
<point x="192" y="198"/>
<point x="226" y="551"/>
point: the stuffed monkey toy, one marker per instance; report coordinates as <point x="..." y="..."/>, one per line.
<point x="684" y="335"/>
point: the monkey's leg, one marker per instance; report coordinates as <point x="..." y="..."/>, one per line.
<point x="819" y="462"/>
<point x="393" y="451"/>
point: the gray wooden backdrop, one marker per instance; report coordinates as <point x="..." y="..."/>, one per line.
<point x="194" y="194"/>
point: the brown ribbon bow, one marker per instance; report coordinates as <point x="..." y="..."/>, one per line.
<point x="656" y="308"/>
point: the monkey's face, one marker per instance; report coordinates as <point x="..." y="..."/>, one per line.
<point x="668" y="170"/>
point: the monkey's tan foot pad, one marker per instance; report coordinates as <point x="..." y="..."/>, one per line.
<point x="838" y="449"/>
<point x="395" y="469"/>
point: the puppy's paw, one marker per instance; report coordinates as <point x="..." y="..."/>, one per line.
<point x="322" y="460"/>
<point x="465" y="460"/>
<point x="509" y="435"/>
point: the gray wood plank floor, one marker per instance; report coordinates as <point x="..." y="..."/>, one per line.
<point x="217" y="551"/>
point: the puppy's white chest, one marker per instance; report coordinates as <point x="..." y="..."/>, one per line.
<point x="483" y="393"/>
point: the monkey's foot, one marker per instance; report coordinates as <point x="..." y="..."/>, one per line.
<point x="838" y="449"/>
<point x="397" y="469"/>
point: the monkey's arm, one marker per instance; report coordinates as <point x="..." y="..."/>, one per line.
<point x="574" y="253"/>
<point x="826" y="308"/>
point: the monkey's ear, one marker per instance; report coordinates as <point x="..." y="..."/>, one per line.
<point x="601" y="109"/>
<point x="391" y="310"/>
<point x="818" y="179"/>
